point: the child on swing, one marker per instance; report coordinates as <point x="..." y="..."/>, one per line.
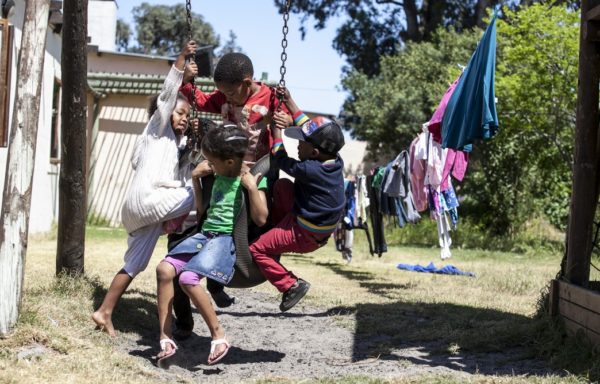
<point x="211" y="252"/>
<point x="238" y="99"/>
<point x="306" y="211"/>
<point x="155" y="195"/>
<point x="250" y="105"/>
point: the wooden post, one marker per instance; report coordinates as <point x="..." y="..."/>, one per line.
<point x="585" y="173"/>
<point x="72" y="183"/>
<point x="16" y="204"/>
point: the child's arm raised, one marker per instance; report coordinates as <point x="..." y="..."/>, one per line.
<point x="257" y="198"/>
<point x="188" y="50"/>
<point x="168" y="95"/>
<point x="211" y="102"/>
<point x="290" y="166"/>
<point x="201" y="170"/>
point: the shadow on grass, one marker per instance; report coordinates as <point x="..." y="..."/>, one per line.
<point x="136" y="313"/>
<point x="475" y="340"/>
<point x="459" y="337"/>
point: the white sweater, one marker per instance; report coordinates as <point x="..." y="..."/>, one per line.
<point x="155" y="189"/>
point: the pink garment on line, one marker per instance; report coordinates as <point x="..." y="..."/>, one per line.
<point x="456" y="163"/>
<point x="417" y="178"/>
<point x="435" y="123"/>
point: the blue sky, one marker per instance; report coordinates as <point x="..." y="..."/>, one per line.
<point x="313" y="67"/>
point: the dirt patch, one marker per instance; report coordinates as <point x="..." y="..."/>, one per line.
<point x="309" y="342"/>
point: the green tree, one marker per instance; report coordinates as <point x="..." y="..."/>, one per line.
<point x="388" y="109"/>
<point x="123" y="35"/>
<point x="525" y="169"/>
<point x="374" y="28"/>
<point x="230" y="45"/>
<point x="537" y="92"/>
<point x="162" y="30"/>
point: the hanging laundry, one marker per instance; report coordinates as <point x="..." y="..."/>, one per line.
<point x="344" y="240"/>
<point x="435" y="123"/>
<point x="362" y="198"/>
<point x="355" y="217"/>
<point x="374" y="186"/>
<point x="418" y="168"/>
<point x="471" y="110"/>
<point x="456" y="164"/>
<point x="436" y="159"/>
<point x="451" y="204"/>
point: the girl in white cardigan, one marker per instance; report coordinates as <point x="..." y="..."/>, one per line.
<point x="155" y="195"/>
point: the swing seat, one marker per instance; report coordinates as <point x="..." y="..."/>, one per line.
<point x="246" y="273"/>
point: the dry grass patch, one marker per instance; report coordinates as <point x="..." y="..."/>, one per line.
<point x="492" y="312"/>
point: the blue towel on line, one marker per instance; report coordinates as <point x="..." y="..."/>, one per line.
<point x="445" y="270"/>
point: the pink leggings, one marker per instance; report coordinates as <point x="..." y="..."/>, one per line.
<point x="185" y="277"/>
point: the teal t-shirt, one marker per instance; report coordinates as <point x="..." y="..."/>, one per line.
<point x="225" y="201"/>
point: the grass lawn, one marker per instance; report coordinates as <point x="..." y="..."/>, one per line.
<point x="492" y="312"/>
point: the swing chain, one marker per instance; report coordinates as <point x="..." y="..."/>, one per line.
<point x="188" y="12"/>
<point x="195" y="136"/>
<point x="284" y="42"/>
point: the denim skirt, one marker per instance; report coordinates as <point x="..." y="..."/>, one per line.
<point x="214" y="255"/>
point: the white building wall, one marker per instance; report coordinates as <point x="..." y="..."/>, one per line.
<point x="102" y="24"/>
<point x="43" y="198"/>
<point x="121" y="120"/>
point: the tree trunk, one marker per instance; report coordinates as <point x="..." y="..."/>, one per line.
<point x="16" y="203"/>
<point x="481" y="12"/>
<point x="412" y="21"/>
<point x="432" y="12"/>
<point x="72" y="184"/>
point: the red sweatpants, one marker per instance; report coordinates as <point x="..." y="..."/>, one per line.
<point x="286" y="237"/>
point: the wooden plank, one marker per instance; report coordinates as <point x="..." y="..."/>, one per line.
<point x="573" y="328"/>
<point x="55" y="5"/>
<point x="593" y="14"/>
<point x="583" y="316"/>
<point x="553" y="298"/>
<point x="591" y="30"/>
<point x="56" y="17"/>
<point x="5" y="66"/>
<point x="580" y="296"/>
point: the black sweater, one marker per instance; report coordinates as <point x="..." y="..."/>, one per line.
<point x="318" y="187"/>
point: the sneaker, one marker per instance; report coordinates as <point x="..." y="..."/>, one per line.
<point x="293" y="295"/>
<point x="222" y="299"/>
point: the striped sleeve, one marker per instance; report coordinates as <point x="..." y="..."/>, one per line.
<point x="277" y="146"/>
<point x="300" y="118"/>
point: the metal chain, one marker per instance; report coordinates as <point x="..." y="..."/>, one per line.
<point x="188" y="12"/>
<point x="284" y="44"/>
<point x="195" y="142"/>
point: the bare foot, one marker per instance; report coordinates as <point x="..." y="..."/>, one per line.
<point x="104" y="322"/>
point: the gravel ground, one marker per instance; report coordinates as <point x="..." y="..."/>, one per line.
<point x="309" y="342"/>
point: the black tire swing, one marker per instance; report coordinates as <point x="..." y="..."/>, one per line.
<point x="247" y="274"/>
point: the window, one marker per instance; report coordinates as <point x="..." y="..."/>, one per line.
<point x="6" y="32"/>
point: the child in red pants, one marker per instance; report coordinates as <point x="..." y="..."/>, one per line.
<point x="310" y="207"/>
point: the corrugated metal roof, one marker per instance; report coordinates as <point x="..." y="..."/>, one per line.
<point x="103" y="84"/>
